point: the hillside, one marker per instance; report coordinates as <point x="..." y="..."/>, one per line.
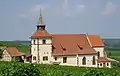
<point x="112" y="43"/>
<point x="23" y="48"/>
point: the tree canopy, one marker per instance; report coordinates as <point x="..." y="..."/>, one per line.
<point x="1" y="52"/>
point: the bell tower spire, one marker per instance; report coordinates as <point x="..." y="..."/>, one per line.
<point x="40" y="23"/>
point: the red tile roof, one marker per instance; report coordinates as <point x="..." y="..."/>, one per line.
<point x="14" y="51"/>
<point x="71" y="44"/>
<point x="95" y="40"/>
<point x="40" y="33"/>
<point x="103" y="59"/>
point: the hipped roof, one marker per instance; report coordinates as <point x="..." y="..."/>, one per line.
<point x="40" y="33"/>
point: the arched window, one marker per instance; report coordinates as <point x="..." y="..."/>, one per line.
<point x="107" y="64"/>
<point x="98" y="54"/>
<point x="84" y="61"/>
<point x="33" y="41"/>
<point x="94" y="60"/>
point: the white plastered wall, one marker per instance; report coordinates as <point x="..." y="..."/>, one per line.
<point x="100" y="65"/>
<point x="71" y="60"/>
<point x="44" y="50"/>
<point x="6" y="56"/>
<point x="89" y="60"/>
<point x="100" y="49"/>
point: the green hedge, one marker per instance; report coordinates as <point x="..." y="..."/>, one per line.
<point x="24" y="69"/>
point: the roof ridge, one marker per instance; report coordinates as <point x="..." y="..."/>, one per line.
<point x="67" y="34"/>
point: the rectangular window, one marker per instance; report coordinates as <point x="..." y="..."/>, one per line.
<point x="43" y="41"/>
<point x="64" y="59"/>
<point x="45" y="58"/>
<point x="34" y="57"/>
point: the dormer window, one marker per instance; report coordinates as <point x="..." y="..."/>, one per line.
<point x="81" y="48"/>
<point x="64" y="49"/>
<point x="43" y="41"/>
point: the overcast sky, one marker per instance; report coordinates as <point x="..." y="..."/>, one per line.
<point x="18" y="18"/>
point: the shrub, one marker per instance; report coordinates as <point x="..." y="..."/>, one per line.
<point x="1" y="52"/>
<point x="116" y="64"/>
<point x="21" y="69"/>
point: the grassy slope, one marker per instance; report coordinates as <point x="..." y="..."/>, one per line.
<point x="24" y="48"/>
<point x="21" y="47"/>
